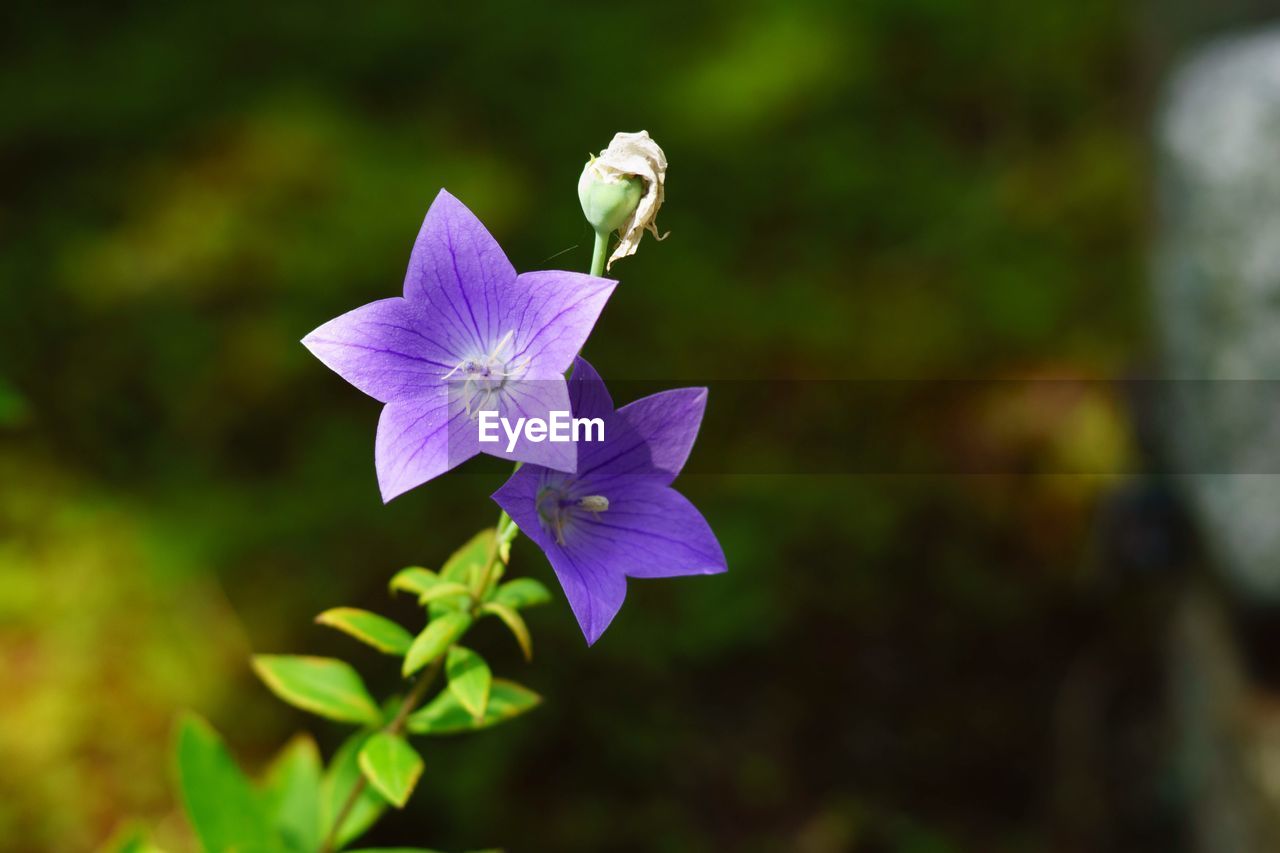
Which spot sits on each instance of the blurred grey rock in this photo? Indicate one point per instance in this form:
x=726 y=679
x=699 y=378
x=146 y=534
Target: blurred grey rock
x=1217 y=289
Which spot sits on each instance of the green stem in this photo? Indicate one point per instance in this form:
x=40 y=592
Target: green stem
x=395 y=727
x=599 y=253
x=491 y=560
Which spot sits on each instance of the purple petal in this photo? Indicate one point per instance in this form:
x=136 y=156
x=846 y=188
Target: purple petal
x=667 y=424
x=594 y=590
x=381 y=349
x=518 y=497
x=552 y=312
x=588 y=393
x=649 y=531
x=652 y=436
x=413 y=443
x=528 y=398
x=459 y=274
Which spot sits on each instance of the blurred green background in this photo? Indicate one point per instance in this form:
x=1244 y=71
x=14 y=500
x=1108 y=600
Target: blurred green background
x=890 y=189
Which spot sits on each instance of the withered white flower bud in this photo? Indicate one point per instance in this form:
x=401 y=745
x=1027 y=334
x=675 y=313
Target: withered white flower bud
x=607 y=190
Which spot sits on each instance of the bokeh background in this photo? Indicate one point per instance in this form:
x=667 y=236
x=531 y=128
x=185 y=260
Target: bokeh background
x=888 y=189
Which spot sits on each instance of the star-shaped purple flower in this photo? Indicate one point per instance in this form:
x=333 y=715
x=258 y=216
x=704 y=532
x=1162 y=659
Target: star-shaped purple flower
x=469 y=334
x=618 y=516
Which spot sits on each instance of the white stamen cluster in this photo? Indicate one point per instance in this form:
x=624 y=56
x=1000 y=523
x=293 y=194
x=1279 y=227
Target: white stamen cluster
x=485 y=375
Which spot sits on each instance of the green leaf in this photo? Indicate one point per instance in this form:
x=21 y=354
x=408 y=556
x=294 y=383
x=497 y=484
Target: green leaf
x=415 y=580
x=522 y=592
x=469 y=679
x=339 y=781
x=442 y=596
x=439 y=634
x=397 y=850
x=451 y=604
x=514 y=622
x=323 y=686
x=391 y=766
x=224 y=809
x=469 y=560
x=369 y=628
x=463 y=567
x=445 y=715
x=291 y=791
x=445 y=589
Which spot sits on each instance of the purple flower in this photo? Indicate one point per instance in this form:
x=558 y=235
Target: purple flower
x=618 y=516
x=468 y=334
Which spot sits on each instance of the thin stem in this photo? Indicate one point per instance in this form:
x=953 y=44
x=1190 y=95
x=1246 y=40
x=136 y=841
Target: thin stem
x=395 y=727
x=491 y=560
x=599 y=252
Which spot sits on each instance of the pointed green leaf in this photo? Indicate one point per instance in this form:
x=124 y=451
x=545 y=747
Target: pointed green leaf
x=291 y=791
x=469 y=679
x=469 y=560
x=461 y=568
x=339 y=781
x=442 y=594
x=445 y=589
x=449 y=604
x=323 y=686
x=391 y=766
x=369 y=628
x=514 y=622
x=522 y=592
x=439 y=634
x=445 y=715
x=224 y=809
x=414 y=580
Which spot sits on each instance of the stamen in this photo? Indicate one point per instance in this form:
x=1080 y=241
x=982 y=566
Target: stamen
x=502 y=344
x=594 y=503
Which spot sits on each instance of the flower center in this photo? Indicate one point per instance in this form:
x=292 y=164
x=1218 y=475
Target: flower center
x=484 y=375
x=556 y=508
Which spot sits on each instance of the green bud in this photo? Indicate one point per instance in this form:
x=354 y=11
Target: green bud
x=608 y=200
